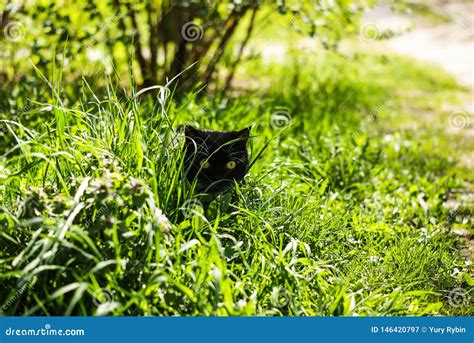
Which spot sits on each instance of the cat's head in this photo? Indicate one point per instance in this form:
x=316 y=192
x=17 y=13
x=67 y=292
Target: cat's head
x=215 y=158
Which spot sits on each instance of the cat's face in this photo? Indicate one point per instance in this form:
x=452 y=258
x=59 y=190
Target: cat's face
x=215 y=158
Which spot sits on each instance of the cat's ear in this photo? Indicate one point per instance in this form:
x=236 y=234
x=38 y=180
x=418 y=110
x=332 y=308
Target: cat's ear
x=191 y=132
x=243 y=134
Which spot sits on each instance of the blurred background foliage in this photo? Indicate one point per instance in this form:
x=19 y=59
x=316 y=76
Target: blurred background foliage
x=160 y=39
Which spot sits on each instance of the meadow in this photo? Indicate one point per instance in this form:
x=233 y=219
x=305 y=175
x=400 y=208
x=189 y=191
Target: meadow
x=344 y=212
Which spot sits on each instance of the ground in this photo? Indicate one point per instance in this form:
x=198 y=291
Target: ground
x=443 y=35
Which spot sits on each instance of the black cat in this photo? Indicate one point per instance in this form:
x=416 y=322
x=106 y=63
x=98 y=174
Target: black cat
x=215 y=159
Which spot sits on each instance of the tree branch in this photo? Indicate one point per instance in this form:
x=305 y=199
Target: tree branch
x=231 y=24
x=248 y=34
x=153 y=40
x=138 y=45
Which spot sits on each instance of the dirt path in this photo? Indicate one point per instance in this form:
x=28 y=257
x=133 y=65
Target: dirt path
x=450 y=44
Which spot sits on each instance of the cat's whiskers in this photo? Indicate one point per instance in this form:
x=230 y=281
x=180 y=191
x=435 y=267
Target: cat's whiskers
x=235 y=153
x=236 y=156
x=217 y=148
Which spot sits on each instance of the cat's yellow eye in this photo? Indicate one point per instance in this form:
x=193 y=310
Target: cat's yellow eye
x=231 y=165
x=204 y=164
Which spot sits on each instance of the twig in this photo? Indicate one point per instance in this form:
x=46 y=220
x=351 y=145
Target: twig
x=231 y=24
x=233 y=68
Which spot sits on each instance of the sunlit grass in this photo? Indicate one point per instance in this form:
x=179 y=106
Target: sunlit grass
x=340 y=215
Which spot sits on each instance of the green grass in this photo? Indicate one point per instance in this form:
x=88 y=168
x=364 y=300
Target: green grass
x=428 y=12
x=342 y=213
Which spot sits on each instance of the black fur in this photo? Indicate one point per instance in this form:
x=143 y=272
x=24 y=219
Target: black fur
x=208 y=154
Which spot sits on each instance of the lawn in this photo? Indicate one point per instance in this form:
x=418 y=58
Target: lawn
x=343 y=211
